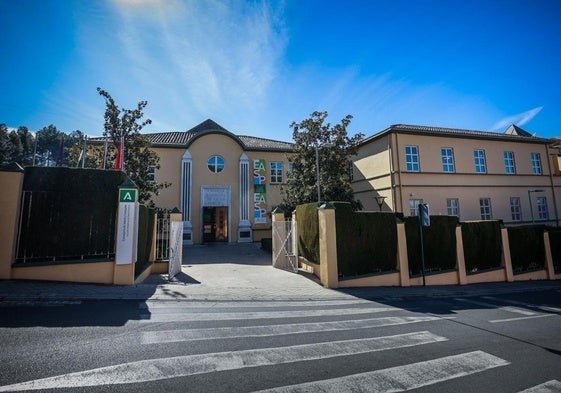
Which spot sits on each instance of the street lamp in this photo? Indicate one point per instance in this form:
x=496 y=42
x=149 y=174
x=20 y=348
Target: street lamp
x=530 y=200
x=380 y=201
x=318 y=146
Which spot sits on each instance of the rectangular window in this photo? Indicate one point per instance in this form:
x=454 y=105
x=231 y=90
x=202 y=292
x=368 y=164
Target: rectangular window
x=414 y=206
x=447 y=159
x=542 y=208
x=479 y=160
x=151 y=174
x=536 y=163
x=412 y=158
x=276 y=173
x=453 y=207
x=509 y=163
x=485 y=208
x=515 y=209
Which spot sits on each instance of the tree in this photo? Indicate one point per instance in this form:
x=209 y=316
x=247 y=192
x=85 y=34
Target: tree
x=5 y=145
x=139 y=161
x=48 y=145
x=335 y=149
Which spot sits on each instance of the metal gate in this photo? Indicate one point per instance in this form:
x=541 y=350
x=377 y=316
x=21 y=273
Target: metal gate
x=285 y=245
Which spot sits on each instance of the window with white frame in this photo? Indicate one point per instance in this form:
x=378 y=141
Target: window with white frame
x=536 y=162
x=447 y=154
x=276 y=172
x=509 y=163
x=515 y=209
x=453 y=207
x=414 y=206
x=151 y=174
x=412 y=158
x=479 y=161
x=542 y=208
x=485 y=208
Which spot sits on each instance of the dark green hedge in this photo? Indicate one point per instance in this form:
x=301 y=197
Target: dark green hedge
x=68 y=214
x=482 y=245
x=366 y=241
x=308 y=231
x=527 y=251
x=555 y=245
x=439 y=244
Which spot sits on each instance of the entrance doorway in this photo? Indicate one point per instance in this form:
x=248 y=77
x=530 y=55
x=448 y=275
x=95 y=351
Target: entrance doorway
x=215 y=224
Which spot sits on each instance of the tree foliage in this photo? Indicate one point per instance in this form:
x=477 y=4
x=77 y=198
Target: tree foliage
x=138 y=160
x=334 y=162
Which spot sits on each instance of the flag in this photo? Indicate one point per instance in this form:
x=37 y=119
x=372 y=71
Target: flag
x=119 y=158
x=60 y=156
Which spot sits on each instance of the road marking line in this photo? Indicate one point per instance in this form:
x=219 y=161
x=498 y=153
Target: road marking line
x=495 y=306
x=180 y=366
x=169 y=336
x=543 y=308
x=178 y=317
x=553 y=386
x=150 y=305
x=402 y=378
x=522 y=318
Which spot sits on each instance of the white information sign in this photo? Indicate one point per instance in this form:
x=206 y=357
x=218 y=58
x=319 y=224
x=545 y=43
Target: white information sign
x=126 y=227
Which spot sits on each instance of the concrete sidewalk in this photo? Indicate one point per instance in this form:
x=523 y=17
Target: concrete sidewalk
x=241 y=272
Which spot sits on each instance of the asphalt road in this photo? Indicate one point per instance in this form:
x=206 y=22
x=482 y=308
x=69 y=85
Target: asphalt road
x=500 y=343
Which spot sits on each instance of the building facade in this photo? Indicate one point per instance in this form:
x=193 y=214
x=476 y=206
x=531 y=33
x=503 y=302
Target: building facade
x=224 y=184
x=475 y=175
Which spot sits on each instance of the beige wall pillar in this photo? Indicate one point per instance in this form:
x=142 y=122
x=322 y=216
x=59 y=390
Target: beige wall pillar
x=403 y=261
x=548 y=257
x=506 y=262
x=460 y=258
x=11 y=179
x=328 y=246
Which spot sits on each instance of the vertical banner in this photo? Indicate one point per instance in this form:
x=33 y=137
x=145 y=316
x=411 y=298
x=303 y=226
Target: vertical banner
x=126 y=227
x=259 y=192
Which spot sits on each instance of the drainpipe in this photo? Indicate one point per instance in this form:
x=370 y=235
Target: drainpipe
x=552 y=185
x=398 y=171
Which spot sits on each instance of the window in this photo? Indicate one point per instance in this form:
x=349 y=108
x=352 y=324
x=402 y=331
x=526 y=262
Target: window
x=485 y=208
x=509 y=163
x=536 y=163
x=447 y=159
x=276 y=172
x=453 y=207
x=215 y=164
x=479 y=160
x=414 y=206
x=542 y=208
x=412 y=158
x=515 y=209
x=151 y=174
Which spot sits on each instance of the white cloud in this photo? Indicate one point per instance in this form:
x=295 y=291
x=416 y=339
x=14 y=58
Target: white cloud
x=519 y=119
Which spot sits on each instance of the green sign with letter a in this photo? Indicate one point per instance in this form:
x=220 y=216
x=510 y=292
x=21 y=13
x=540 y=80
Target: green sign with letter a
x=127 y=195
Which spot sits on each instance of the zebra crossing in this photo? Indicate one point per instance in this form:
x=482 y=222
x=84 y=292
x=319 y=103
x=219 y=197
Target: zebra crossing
x=192 y=322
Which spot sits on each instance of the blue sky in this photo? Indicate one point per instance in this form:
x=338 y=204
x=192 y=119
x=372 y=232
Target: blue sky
x=254 y=67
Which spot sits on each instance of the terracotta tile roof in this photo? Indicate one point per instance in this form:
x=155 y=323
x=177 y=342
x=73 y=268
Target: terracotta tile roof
x=183 y=138
x=511 y=134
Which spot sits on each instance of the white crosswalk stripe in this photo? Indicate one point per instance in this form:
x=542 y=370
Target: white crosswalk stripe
x=159 y=337
x=524 y=304
x=155 y=305
x=183 y=316
x=402 y=378
x=180 y=366
x=553 y=386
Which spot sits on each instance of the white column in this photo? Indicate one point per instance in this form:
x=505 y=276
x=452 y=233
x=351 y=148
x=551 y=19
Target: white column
x=186 y=192
x=244 y=227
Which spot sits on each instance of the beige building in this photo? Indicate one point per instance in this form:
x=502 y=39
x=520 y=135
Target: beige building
x=224 y=184
x=512 y=176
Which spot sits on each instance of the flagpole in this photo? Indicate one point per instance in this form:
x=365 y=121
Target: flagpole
x=105 y=153
x=122 y=153
x=84 y=150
